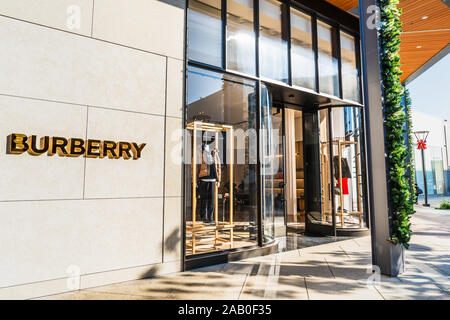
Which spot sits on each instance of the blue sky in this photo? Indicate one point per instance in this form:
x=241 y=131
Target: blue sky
x=430 y=92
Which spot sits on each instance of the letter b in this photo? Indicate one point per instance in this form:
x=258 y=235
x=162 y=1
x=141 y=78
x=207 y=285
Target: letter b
x=16 y=143
x=76 y=147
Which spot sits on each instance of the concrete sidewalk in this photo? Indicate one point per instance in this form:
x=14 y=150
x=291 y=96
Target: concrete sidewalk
x=337 y=270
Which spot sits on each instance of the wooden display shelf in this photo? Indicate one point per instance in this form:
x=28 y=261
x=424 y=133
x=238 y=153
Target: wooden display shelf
x=195 y=227
x=326 y=196
x=199 y=226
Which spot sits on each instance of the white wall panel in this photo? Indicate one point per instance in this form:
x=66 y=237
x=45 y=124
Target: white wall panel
x=39 y=240
x=58 y=14
x=54 y=65
x=118 y=178
x=149 y=25
x=26 y=177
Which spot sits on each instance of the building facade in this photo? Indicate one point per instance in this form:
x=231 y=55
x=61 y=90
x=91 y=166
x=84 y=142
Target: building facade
x=146 y=137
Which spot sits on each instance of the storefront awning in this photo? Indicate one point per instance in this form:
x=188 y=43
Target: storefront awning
x=303 y=98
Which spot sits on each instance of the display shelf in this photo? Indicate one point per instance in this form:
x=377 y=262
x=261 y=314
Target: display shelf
x=194 y=227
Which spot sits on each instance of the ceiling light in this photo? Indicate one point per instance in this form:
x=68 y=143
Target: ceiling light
x=418 y=47
x=424 y=17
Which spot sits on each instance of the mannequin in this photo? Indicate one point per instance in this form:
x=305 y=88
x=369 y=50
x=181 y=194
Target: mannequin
x=209 y=174
x=342 y=184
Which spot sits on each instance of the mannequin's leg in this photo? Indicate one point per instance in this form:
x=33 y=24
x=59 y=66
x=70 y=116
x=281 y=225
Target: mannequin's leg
x=213 y=201
x=203 y=192
x=210 y=200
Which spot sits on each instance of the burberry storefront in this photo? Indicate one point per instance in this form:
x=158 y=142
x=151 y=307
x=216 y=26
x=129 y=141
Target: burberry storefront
x=274 y=139
x=147 y=137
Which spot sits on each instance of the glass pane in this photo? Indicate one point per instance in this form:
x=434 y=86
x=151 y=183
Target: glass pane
x=328 y=59
x=294 y=171
x=302 y=52
x=278 y=159
x=325 y=169
x=433 y=169
x=205 y=31
x=347 y=167
x=240 y=36
x=267 y=173
x=273 y=41
x=220 y=144
x=272 y=167
x=350 y=72
x=437 y=168
x=315 y=126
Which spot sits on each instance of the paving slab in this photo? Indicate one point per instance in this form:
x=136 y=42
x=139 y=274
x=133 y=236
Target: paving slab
x=331 y=270
x=339 y=289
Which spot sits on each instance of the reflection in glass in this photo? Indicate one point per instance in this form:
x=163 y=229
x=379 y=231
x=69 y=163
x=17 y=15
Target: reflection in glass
x=328 y=59
x=272 y=166
x=220 y=199
x=434 y=166
x=268 y=165
x=278 y=159
x=240 y=36
x=205 y=31
x=273 y=53
x=347 y=167
x=325 y=169
x=437 y=166
x=302 y=52
x=312 y=168
x=350 y=71
x=295 y=171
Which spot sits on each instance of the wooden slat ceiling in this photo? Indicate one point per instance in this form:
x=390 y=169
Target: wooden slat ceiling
x=422 y=37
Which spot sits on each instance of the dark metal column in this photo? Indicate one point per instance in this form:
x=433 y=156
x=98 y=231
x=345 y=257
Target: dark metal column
x=387 y=257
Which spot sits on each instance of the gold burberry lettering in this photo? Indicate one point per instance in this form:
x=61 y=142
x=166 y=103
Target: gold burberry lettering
x=18 y=143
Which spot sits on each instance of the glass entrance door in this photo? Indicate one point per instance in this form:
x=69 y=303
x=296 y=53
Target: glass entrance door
x=283 y=169
x=294 y=171
x=279 y=174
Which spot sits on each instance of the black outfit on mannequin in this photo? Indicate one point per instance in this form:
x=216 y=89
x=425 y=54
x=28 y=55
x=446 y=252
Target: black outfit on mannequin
x=208 y=176
x=207 y=200
x=346 y=173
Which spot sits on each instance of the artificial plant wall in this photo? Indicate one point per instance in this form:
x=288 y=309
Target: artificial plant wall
x=410 y=144
x=395 y=118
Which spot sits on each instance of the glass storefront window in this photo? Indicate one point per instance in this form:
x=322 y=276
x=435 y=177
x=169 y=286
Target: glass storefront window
x=350 y=70
x=434 y=166
x=272 y=165
x=341 y=169
x=221 y=163
x=273 y=44
x=240 y=36
x=294 y=171
x=205 y=31
x=302 y=52
x=347 y=167
x=311 y=162
x=328 y=59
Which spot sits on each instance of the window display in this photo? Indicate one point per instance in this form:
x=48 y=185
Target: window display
x=341 y=170
x=221 y=162
x=270 y=150
x=347 y=174
x=347 y=186
x=206 y=180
